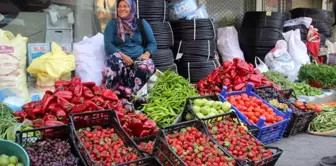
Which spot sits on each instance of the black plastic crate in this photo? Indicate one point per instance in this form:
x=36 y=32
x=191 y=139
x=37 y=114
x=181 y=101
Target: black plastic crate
x=163 y=151
x=269 y=161
x=28 y=137
x=188 y=108
x=145 y=139
x=106 y=118
x=149 y=161
x=299 y=120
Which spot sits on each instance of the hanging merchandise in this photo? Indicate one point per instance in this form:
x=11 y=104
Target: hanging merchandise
x=152 y=10
x=13 y=51
x=313 y=43
x=197 y=29
x=260 y=65
x=195 y=71
x=90 y=56
x=278 y=59
x=51 y=67
x=181 y=9
x=195 y=50
x=296 y=48
x=163 y=34
x=228 y=44
x=259 y=33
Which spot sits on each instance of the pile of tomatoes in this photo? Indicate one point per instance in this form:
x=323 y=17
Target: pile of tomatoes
x=234 y=138
x=195 y=148
x=105 y=147
x=253 y=108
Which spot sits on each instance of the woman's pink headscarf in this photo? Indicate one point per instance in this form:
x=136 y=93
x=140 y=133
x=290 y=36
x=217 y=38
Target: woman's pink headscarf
x=128 y=24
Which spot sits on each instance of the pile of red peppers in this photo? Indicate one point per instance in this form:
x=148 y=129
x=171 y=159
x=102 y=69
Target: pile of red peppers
x=138 y=125
x=235 y=75
x=69 y=97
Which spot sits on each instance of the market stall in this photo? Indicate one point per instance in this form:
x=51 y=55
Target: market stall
x=216 y=109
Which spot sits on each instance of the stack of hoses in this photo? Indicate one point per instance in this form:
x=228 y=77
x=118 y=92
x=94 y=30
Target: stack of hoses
x=321 y=20
x=155 y=12
x=152 y=10
x=195 y=48
x=259 y=33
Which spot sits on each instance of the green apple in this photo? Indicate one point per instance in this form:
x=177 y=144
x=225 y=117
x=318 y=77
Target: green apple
x=226 y=106
x=213 y=110
x=205 y=110
x=210 y=103
x=198 y=102
x=189 y=117
x=211 y=114
x=218 y=104
x=197 y=108
x=220 y=111
x=200 y=115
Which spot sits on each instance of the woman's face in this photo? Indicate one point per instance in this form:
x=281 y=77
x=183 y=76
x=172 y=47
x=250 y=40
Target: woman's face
x=123 y=9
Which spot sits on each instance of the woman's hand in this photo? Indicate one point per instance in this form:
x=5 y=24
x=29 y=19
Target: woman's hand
x=127 y=59
x=144 y=56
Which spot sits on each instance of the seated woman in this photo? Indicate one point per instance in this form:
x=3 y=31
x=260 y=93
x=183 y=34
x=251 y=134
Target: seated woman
x=128 y=52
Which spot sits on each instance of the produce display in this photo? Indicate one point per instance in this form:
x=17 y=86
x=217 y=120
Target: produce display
x=320 y=76
x=300 y=89
x=7 y=123
x=234 y=75
x=274 y=98
x=167 y=98
x=130 y=102
x=69 y=97
x=105 y=146
x=206 y=108
x=237 y=141
x=308 y=107
x=51 y=152
x=6 y=160
x=146 y=146
x=195 y=148
x=253 y=108
x=324 y=122
x=138 y=125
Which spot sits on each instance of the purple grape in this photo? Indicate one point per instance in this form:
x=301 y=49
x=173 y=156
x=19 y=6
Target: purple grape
x=121 y=88
x=128 y=91
x=129 y=107
x=117 y=92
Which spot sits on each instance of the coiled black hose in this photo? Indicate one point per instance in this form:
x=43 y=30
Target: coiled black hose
x=195 y=71
x=197 y=47
x=197 y=29
x=263 y=20
x=163 y=34
x=163 y=57
x=152 y=10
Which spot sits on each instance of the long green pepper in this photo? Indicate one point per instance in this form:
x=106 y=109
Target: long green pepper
x=168 y=97
x=324 y=122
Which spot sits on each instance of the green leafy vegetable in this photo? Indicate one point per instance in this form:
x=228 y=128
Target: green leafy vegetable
x=324 y=75
x=168 y=97
x=7 y=122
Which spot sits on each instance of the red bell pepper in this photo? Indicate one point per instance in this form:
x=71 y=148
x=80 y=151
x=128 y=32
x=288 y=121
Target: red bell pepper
x=98 y=100
x=37 y=110
x=75 y=81
x=149 y=125
x=227 y=66
x=233 y=73
x=64 y=104
x=49 y=92
x=61 y=115
x=51 y=123
x=87 y=93
x=38 y=123
x=78 y=100
x=96 y=90
x=68 y=95
x=136 y=126
x=256 y=78
x=30 y=105
x=144 y=133
x=108 y=94
x=79 y=108
x=89 y=84
x=78 y=90
x=61 y=83
x=128 y=131
x=90 y=104
x=46 y=101
x=237 y=80
x=49 y=117
x=239 y=86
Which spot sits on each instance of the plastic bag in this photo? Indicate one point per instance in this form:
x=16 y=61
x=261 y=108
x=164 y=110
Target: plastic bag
x=228 y=45
x=199 y=13
x=331 y=55
x=299 y=21
x=296 y=48
x=260 y=65
x=90 y=56
x=181 y=9
x=13 y=51
x=278 y=59
x=313 y=41
x=52 y=66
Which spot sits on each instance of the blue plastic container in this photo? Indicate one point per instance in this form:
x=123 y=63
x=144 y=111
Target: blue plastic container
x=266 y=134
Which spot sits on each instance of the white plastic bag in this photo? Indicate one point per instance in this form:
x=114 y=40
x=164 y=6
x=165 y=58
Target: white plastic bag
x=299 y=21
x=90 y=56
x=278 y=59
x=260 y=65
x=228 y=45
x=13 y=51
x=296 y=48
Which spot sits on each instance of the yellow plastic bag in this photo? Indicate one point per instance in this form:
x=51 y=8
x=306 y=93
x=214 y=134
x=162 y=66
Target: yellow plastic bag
x=13 y=51
x=52 y=66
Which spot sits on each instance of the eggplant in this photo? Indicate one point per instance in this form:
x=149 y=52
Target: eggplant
x=129 y=107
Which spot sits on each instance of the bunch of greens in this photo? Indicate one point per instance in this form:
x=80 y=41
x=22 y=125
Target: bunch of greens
x=8 y=123
x=321 y=74
x=168 y=97
x=300 y=89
